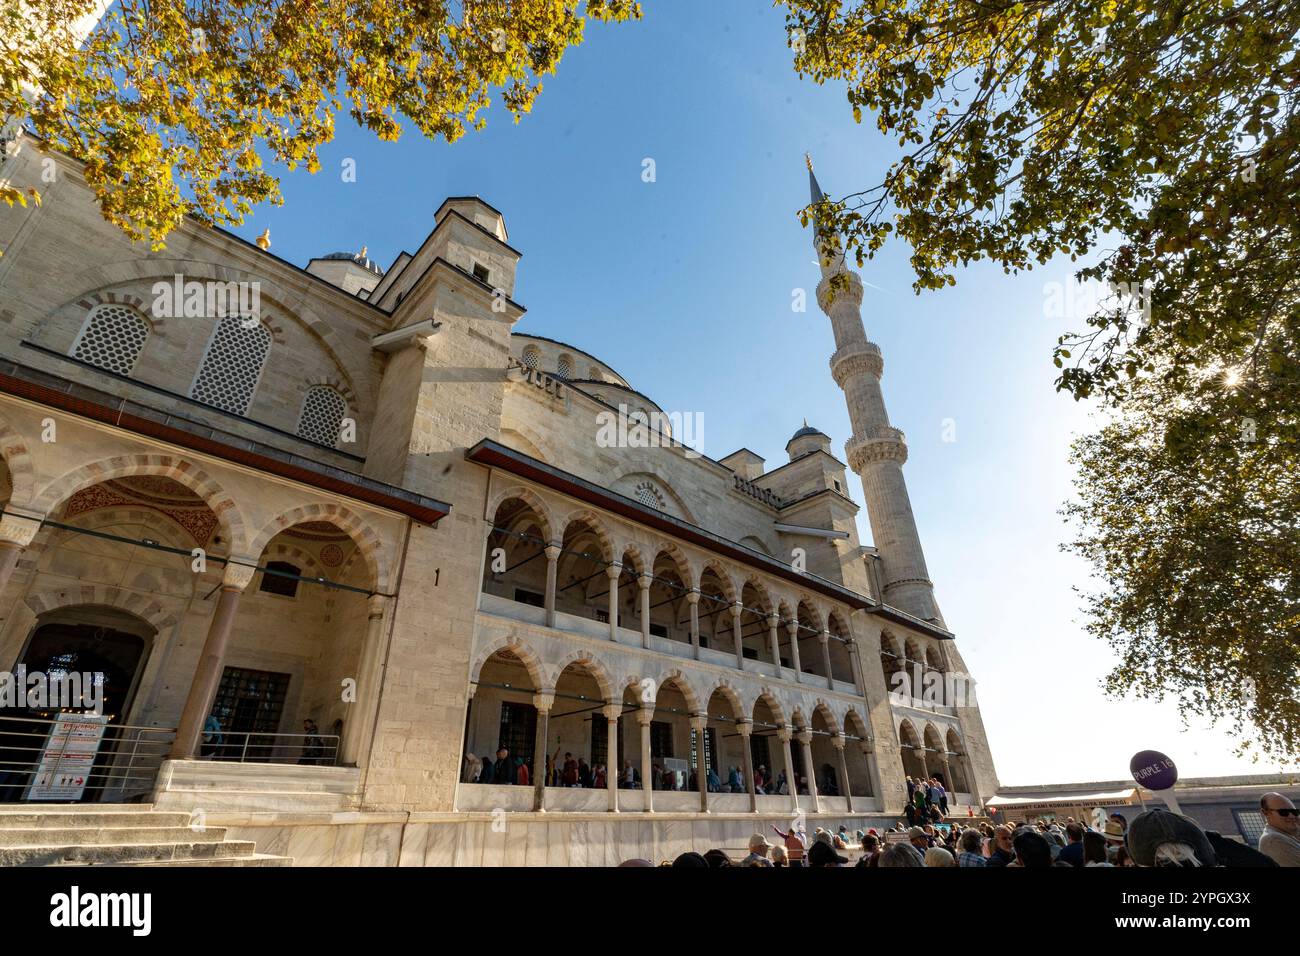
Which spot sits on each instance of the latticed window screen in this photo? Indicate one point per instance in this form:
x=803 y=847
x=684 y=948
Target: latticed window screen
x=564 y=367
x=531 y=356
x=646 y=495
x=232 y=365
x=322 y=415
x=112 y=338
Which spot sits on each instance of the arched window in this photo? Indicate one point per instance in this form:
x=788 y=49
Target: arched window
x=232 y=365
x=532 y=356
x=563 y=367
x=322 y=415
x=649 y=495
x=112 y=338
x=285 y=583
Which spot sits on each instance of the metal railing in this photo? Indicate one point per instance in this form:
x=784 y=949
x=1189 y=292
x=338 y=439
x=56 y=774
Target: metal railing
x=256 y=747
x=122 y=768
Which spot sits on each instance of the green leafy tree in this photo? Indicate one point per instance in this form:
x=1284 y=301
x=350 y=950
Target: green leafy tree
x=172 y=105
x=1155 y=144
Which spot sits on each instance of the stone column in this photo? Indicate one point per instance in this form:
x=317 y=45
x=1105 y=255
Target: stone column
x=361 y=719
x=16 y=533
x=644 y=717
x=693 y=598
x=735 y=629
x=612 y=712
x=552 y=564
x=644 y=581
x=805 y=741
x=873 y=772
x=792 y=628
x=774 y=640
x=855 y=664
x=838 y=743
x=825 y=638
x=745 y=728
x=612 y=572
x=543 y=702
x=783 y=734
x=700 y=723
x=207 y=676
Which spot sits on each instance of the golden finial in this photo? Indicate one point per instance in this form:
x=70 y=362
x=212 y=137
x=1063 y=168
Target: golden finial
x=264 y=240
x=807 y=158
x=363 y=251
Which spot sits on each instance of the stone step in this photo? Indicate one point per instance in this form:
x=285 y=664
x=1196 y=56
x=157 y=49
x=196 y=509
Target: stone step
x=226 y=801
x=257 y=859
x=86 y=817
x=91 y=835
x=118 y=854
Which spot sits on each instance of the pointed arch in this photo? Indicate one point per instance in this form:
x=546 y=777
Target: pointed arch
x=133 y=602
x=533 y=500
x=512 y=646
x=367 y=540
x=588 y=663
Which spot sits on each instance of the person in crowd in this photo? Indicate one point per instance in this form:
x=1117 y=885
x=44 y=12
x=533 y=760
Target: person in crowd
x=522 y=776
x=735 y=781
x=912 y=814
x=1122 y=858
x=842 y=838
x=598 y=778
x=473 y=767
x=759 y=848
x=214 y=741
x=794 y=844
x=782 y=784
x=779 y=857
x=1160 y=837
x=1281 y=839
x=504 y=772
x=569 y=771
x=1094 y=849
x=870 y=850
x=1114 y=834
x=313 y=751
x=670 y=780
x=1073 y=851
x=717 y=859
x=691 y=860
x=715 y=784
x=628 y=777
x=917 y=837
x=487 y=773
x=584 y=773
x=1031 y=848
x=829 y=787
x=761 y=780
x=971 y=844
x=943 y=795
x=932 y=793
x=656 y=776
x=1003 y=853
x=939 y=856
x=900 y=854
x=911 y=789
x=823 y=854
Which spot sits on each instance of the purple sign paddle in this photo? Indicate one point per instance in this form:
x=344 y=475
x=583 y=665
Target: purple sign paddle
x=1153 y=770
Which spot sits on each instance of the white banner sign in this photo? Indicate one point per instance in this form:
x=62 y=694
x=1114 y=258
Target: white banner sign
x=68 y=757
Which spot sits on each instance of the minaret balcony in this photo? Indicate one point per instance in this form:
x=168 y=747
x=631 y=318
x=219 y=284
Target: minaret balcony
x=882 y=443
x=857 y=358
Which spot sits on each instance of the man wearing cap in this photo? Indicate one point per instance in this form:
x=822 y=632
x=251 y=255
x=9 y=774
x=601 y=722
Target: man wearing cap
x=1281 y=839
x=758 y=849
x=916 y=836
x=823 y=854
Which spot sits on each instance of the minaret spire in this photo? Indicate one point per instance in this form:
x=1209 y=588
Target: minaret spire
x=877 y=450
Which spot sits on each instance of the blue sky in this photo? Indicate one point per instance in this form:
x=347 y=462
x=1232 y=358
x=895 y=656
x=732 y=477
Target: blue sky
x=684 y=286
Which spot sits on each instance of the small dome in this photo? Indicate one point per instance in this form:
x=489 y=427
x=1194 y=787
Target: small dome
x=806 y=431
x=368 y=264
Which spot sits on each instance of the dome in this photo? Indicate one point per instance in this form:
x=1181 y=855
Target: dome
x=806 y=431
x=359 y=258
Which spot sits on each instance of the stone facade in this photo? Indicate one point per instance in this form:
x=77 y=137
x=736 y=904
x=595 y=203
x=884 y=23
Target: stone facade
x=361 y=489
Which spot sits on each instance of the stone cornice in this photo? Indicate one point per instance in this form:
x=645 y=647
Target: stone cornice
x=857 y=358
x=880 y=443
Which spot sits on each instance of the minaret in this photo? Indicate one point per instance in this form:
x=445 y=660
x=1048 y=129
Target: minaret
x=877 y=450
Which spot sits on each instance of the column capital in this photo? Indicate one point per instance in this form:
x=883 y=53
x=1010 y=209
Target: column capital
x=612 y=710
x=737 y=609
x=645 y=715
x=238 y=574
x=837 y=742
x=793 y=627
x=745 y=728
x=804 y=737
x=699 y=722
x=19 y=528
x=375 y=605
x=614 y=570
x=543 y=700
x=784 y=734
x=773 y=619
x=553 y=551
x=824 y=636
x=644 y=580
x=693 y=596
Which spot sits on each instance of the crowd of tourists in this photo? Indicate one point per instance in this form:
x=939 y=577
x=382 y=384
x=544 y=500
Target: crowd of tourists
x=1156 y=837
